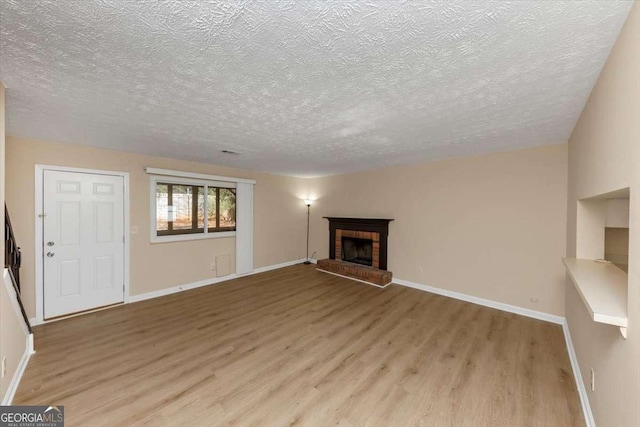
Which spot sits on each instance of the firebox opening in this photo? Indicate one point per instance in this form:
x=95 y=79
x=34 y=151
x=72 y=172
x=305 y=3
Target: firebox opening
x=359 y=251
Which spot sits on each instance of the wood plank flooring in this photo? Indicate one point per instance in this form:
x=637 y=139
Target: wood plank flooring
x=299 y=347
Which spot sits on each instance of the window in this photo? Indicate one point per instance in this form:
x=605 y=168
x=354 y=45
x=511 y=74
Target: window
x=199 y=209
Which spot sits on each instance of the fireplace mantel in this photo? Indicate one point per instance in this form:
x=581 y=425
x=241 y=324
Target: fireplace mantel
x=373 y=225
x=373 y=222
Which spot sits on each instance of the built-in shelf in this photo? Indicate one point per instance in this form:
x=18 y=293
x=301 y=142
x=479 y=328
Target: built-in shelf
x=603 y=289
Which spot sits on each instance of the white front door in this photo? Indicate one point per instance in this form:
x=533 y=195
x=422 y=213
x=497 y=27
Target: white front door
x=83 y=241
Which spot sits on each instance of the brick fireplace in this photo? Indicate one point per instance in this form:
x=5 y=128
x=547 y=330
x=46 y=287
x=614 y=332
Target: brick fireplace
x=358 y=249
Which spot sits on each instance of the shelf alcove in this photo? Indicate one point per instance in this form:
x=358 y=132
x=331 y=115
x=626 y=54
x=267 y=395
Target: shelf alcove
x=600 y=276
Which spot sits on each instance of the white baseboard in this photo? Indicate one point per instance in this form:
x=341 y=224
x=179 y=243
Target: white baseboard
x=17 y=375
x=577 y=375
x=281 y=265
x=206 y=282
x=31 y=346
x=485 y=302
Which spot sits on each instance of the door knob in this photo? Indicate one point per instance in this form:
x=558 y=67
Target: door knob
x=50 y=254
x=50 y=243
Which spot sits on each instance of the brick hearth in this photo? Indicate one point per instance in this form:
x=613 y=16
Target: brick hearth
x=356 y=271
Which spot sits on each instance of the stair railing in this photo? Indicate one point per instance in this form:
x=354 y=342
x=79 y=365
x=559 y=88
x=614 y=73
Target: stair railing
x=13 y=261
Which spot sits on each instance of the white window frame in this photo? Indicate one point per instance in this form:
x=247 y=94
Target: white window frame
x=166 y=179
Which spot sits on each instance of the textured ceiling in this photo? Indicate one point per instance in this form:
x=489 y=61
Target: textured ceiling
x=303 y=87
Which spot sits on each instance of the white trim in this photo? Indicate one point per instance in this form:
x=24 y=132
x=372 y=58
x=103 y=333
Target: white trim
x=155 y=239
x=31 y=345
x=274 y=267
x=127 y=237
x=485 y=302
x=39 y=261
x=180 y=288
x=39 y=193
x=354 y=279
x=169 y=172
x=244 y=228
x=13 y=299
x=577 y=375
x=206 y=282
x=191 y=181
x=17 y=375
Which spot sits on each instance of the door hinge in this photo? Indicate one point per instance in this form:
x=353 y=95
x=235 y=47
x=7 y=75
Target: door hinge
x=42 y=215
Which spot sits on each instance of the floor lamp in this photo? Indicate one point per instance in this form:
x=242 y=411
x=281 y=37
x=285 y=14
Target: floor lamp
x=308 y=203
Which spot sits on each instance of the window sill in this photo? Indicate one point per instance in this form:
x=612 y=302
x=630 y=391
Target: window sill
x=603 y=289
x=186 y=237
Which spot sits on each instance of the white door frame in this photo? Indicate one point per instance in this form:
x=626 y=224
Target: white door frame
x=39 y=260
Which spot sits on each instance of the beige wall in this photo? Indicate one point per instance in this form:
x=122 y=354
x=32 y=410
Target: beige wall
x=616 y=246
x=490 y=226
x=604 y=156
x=279 y=215
x=12 y=339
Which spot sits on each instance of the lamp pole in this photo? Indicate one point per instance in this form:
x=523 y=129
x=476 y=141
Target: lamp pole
x=308 y=202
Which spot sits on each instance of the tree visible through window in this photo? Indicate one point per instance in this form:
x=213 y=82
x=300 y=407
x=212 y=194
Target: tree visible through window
x=190 y=209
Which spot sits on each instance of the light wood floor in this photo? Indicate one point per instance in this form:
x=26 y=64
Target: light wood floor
x=296 y=346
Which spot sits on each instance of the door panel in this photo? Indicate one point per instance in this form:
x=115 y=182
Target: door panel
x=103 y=272
x=69 y=217
x=104 y=220
x=83 y=241
x=69 y=277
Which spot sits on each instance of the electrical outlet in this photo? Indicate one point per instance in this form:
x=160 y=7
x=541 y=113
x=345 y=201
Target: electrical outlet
x=533 y=299
x=213 y=266
x=593 y=380
x=4 y=366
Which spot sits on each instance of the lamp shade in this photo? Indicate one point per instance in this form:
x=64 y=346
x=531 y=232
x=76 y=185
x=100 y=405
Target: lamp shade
x=308 y=202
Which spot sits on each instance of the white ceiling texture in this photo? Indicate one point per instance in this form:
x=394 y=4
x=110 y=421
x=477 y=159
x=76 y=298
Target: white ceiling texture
x=304 y=88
